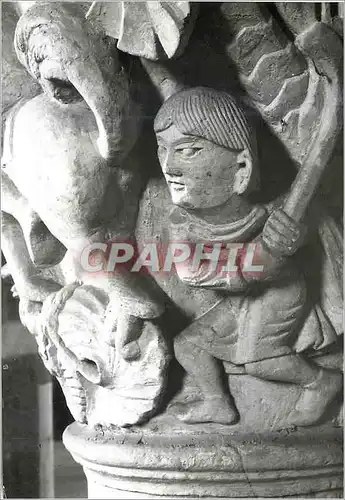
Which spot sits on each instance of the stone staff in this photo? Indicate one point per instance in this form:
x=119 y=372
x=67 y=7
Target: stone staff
x=321 y=147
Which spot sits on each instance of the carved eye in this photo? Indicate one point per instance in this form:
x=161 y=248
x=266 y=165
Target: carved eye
x=161 y=150
x=64 y=91
x=189 y=152
x=38 y=58
x=38 y=54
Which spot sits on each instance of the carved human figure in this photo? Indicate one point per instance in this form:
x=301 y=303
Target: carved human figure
x=208 y=155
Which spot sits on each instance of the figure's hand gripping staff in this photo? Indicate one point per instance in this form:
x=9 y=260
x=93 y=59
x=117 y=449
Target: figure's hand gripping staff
x=327 y=61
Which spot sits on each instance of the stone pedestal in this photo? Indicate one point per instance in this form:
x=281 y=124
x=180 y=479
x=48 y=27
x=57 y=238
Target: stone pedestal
x=181 y=462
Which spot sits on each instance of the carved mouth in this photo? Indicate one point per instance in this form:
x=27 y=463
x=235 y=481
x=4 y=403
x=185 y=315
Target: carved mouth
x=177 y=186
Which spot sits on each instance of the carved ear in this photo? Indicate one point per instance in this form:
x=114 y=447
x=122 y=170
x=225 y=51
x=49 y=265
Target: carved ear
x=153 y=30
x=244 y=173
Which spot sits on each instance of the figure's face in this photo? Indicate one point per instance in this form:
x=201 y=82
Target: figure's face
x=199 y=174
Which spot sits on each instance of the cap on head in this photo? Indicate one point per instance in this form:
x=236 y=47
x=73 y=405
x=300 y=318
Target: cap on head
x=210 y=114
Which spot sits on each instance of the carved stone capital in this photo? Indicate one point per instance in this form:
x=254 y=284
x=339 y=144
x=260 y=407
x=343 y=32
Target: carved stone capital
x=171 y=223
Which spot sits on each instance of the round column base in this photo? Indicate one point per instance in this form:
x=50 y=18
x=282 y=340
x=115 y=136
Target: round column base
x=189 y=462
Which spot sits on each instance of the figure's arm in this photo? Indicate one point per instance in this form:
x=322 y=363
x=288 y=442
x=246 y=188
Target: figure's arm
x=264 y=260
x=280 y=239
x=229 y=282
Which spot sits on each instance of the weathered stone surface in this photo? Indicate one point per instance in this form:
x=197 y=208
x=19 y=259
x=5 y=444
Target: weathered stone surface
x=178 y=462
x=187 y=380
x=93 y=373
x=299 y=16
x=18 y=85
x=148 y=29
x=277 y=62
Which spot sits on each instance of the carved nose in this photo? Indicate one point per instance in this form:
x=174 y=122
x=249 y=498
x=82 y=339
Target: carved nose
x=172 y=173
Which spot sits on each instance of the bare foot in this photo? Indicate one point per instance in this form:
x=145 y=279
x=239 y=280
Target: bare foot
x=315 y=398
x=217 y=410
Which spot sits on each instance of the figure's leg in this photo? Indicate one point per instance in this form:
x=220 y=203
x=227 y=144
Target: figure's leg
x=275 y=318
x=291 y=368
x=319 y=386
x=205 y=369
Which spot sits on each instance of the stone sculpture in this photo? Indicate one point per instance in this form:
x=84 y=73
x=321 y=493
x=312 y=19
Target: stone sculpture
x=208 y=155
x=187 y=360
x=61 y=69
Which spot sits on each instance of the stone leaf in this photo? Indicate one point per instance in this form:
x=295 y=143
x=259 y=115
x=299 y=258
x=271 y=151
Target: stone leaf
x=298 y=16
x=153 y=30
x=288 y=82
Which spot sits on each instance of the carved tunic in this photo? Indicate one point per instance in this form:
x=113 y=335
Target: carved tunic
x=256 y=319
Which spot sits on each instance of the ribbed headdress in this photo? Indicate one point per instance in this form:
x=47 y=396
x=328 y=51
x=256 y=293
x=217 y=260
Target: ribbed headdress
x=209 y=114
